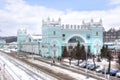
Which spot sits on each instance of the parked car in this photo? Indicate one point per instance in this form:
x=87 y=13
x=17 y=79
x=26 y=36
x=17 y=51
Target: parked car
x=99 y=69
x=84 y=64
x=113 y=72
x=118 y=74
x=93 y=67
x=90 y=65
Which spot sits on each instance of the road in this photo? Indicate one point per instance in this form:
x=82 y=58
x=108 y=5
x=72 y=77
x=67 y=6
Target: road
x=18 y=71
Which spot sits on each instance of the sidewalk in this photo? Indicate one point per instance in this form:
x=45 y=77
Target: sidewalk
x=56 y=69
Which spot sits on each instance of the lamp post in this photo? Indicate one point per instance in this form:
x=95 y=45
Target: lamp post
x=3 y=71
x=86 y=64
x=32 y=51
x=70 y=55
x=54 y=52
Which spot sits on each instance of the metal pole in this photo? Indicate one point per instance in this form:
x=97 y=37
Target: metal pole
x=3 y=71
x=86 y=67
x=105 y=71
x=32 y=52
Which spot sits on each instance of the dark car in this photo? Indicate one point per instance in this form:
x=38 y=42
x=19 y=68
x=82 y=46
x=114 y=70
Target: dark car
x=113 y=72
x=84 y=64
x=93 y=67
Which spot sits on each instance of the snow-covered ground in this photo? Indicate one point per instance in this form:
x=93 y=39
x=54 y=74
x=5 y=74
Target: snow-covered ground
x=76 y=76
x=15 y=69
x=18 y=72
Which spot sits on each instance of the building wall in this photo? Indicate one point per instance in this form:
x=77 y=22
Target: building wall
x=56 y=36
x=21 y=37
x=54 y=33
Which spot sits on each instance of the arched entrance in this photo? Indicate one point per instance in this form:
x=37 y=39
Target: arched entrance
x=55 y=48
x=73 y=41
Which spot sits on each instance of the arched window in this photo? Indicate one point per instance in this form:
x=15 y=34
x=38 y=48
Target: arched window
x=96 y=33
x=54 y=33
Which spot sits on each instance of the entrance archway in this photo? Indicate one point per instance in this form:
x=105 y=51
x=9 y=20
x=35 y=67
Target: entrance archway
x=73 y=41
x=76 y=39
x=77 y=36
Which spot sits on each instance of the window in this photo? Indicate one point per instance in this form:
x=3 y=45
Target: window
x=74 y=26
x=96 y=33
x=71 y=26
x=54 y=33
x=63 y=36
x=88 y=49
x=78 y=27
x=29 y=39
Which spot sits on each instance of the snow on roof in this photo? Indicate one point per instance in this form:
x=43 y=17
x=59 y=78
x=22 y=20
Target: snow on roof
x=36 y=36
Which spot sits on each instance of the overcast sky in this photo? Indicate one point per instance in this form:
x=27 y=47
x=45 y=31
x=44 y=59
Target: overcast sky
x=16 y=14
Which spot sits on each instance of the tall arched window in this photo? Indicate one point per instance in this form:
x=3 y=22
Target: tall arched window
x=54 y=33
x=96 y=33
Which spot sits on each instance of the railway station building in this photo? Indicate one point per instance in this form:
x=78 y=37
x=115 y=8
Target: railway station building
x=55 y=36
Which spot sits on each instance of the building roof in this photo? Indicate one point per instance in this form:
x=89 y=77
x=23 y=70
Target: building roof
x=36 y=36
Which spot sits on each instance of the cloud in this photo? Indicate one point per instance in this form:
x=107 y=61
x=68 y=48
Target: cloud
x=18 y=14
x=114 y=2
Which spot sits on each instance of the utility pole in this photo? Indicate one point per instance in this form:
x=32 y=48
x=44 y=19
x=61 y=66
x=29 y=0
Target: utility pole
x=3 y=71
x=86 y=67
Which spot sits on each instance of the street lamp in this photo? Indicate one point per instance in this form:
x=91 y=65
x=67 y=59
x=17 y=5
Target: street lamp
x=70 y=50
x=86 y=65
x=54 y=52
x=32 y=52
x=3 y=71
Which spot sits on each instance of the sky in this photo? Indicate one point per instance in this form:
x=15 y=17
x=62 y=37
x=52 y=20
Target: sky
x=28 y=14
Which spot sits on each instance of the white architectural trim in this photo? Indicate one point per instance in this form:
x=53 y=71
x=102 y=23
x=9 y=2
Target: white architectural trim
x=55 y=41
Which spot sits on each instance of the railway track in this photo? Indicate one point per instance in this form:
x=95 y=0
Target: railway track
x=58 y=76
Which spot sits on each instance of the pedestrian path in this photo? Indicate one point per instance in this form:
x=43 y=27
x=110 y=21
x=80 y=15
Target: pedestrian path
x=75 y=75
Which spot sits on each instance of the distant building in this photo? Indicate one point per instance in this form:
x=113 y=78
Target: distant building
x=111 y=35
x=55 y=36
x=112 y=39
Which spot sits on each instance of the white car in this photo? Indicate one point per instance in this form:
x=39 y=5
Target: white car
x=99 y=69
x=118 y=74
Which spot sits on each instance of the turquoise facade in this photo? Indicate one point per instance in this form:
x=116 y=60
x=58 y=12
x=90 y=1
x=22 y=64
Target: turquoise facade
x=55 y=36
x=21 y=37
